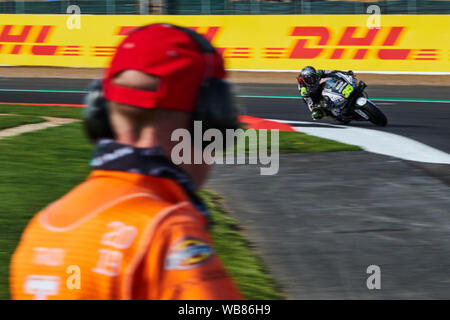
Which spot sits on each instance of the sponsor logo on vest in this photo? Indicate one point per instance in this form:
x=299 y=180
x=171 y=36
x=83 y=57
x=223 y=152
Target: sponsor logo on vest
x=42 y=286
x=188 y=253
x=52 y=257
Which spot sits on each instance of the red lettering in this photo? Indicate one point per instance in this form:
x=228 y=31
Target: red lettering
x=337 y=54
x=239 y=53
x=6 y=35
x=43 y=50
x=426 y=54
x=221 y=51
x=300 y=50
x=100 y=51
x=16 y=49
x=391 y=39
x=123 y=31
x=347 y=38
x=70 y=51
x=43 y=34
x=274 y=53
x=211 y=33
x=360 y=54
x=393 y=36
x=393 y=54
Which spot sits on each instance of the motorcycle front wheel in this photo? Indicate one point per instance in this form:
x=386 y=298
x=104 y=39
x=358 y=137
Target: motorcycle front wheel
x=376 y=116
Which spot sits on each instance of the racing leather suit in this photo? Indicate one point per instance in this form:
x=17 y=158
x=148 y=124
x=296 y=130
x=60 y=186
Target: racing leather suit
x=312 y=95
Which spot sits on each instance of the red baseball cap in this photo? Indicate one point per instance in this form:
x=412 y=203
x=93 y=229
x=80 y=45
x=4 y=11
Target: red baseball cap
x=168 y=52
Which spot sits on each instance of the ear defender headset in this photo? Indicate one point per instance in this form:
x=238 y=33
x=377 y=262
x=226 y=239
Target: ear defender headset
x=214 y=106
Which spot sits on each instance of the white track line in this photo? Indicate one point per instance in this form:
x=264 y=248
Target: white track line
x=376 y=141
x=15 y=131
x=244 y=96
x=52 y=122
x=355 y=71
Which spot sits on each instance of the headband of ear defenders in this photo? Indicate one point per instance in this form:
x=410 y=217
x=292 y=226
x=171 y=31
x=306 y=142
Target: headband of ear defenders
x=179 y=64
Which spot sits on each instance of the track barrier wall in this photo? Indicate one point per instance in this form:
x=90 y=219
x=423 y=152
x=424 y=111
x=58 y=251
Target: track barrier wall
x=405 y=43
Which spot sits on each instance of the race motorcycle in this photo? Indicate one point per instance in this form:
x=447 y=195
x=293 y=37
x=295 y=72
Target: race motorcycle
x=341 y=91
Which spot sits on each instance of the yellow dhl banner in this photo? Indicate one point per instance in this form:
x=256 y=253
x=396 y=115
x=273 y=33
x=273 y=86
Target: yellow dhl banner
x=418 y=43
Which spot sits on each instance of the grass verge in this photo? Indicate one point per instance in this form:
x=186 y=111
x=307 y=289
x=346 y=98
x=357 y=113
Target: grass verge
x=246 y=268
x=292 y=142
x=36 y=168
x=36 y=110
x=11 y=121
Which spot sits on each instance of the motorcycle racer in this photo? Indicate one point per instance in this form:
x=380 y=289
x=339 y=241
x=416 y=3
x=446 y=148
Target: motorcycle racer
x=309 y=81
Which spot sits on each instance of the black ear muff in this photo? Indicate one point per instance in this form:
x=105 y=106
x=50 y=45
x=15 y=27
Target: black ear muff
x=216 y=107
x=96 y=119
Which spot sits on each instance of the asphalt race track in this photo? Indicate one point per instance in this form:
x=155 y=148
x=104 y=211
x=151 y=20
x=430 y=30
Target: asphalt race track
x=325 y=217
x=424 y=121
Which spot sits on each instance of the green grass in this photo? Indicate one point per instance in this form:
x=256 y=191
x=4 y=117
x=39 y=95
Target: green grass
x=36 y=110
x=297 y=142
x=245 y=267
x=10 y=121
x=36 y=168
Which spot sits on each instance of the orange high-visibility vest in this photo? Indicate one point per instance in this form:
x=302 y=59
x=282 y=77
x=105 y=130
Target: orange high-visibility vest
x=119 y=235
